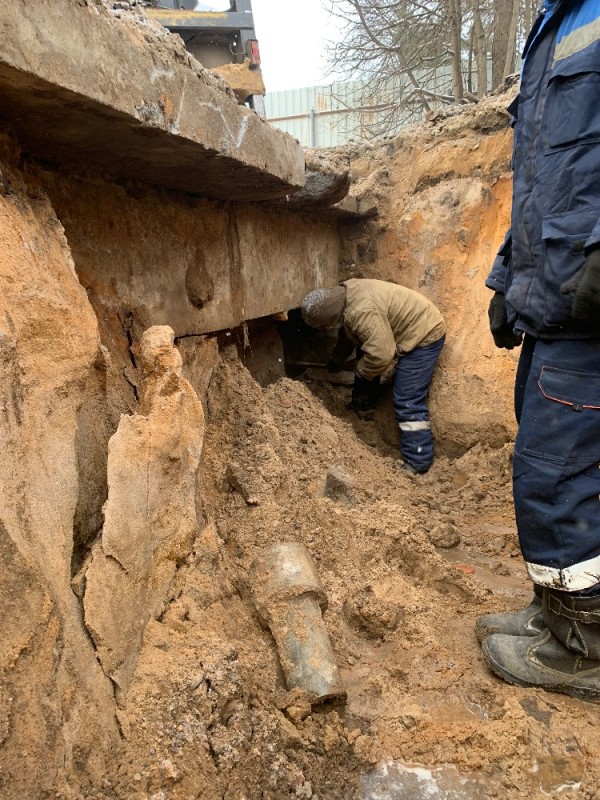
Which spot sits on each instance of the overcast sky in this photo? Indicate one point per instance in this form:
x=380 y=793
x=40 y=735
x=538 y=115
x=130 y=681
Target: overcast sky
x=292 y=35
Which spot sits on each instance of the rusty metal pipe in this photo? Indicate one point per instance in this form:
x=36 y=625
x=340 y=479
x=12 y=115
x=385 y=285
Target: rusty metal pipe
x=290 y=600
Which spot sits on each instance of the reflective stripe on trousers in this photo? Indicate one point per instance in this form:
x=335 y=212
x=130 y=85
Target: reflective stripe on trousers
x=415 y=426
x=556 y=468
x=409 y=396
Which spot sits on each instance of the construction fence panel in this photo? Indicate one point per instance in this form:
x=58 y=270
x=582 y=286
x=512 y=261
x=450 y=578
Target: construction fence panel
x=333 y=115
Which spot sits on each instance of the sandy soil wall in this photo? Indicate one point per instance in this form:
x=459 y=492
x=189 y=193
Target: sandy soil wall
x=57 y=704
x=101 y=501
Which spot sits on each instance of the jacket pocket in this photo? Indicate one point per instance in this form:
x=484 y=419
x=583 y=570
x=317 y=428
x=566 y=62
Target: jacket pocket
x=572 y=110
x=564 y=419
x=564 y=237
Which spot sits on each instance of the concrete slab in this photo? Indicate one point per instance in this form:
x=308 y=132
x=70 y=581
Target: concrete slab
x=85 y=86
x=197 y=265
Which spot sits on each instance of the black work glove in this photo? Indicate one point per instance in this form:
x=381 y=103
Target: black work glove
x=585 y=287
x=501 y=330
x=365 y=394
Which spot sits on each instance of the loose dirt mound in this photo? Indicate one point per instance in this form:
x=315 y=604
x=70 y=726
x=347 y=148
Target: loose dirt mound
x=407 y=564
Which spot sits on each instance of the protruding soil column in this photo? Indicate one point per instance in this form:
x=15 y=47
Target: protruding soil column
x=290 y=599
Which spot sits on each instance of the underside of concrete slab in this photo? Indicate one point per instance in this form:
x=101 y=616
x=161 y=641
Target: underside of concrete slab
x=84 y=86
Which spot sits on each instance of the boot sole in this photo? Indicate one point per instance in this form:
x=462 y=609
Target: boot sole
x=587 y=695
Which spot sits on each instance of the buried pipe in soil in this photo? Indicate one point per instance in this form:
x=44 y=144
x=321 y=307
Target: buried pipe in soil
x=290 y=599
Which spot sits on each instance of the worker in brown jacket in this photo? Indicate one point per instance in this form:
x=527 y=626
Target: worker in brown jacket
x=386 y=321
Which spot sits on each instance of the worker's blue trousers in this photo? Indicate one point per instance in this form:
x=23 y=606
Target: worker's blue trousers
x=556 y=473
x=409 y=396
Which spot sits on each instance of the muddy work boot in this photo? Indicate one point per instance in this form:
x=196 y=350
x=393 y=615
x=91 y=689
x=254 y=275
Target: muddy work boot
x=564 y=657
x=528 y=622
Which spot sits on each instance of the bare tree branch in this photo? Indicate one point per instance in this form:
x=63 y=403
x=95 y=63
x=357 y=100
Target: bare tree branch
x=408 y=55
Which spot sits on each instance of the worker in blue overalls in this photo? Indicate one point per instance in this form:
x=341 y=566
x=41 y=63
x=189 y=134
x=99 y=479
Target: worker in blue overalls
x=546 y=280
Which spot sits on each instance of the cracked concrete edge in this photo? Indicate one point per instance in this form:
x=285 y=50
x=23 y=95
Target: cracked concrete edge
x=83 y=84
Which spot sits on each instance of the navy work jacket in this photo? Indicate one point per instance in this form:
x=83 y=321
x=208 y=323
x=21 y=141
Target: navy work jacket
x=556 y=162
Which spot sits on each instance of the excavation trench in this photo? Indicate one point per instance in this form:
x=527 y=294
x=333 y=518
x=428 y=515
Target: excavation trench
x=164 y=423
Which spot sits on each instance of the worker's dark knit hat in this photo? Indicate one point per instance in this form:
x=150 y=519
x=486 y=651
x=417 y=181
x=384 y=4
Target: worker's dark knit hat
x=323 y=308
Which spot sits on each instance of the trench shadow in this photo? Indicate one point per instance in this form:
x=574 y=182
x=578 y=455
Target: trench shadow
x=306 y=353
x=377 y=429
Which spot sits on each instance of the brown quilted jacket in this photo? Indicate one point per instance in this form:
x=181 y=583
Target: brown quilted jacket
x=387 y=320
